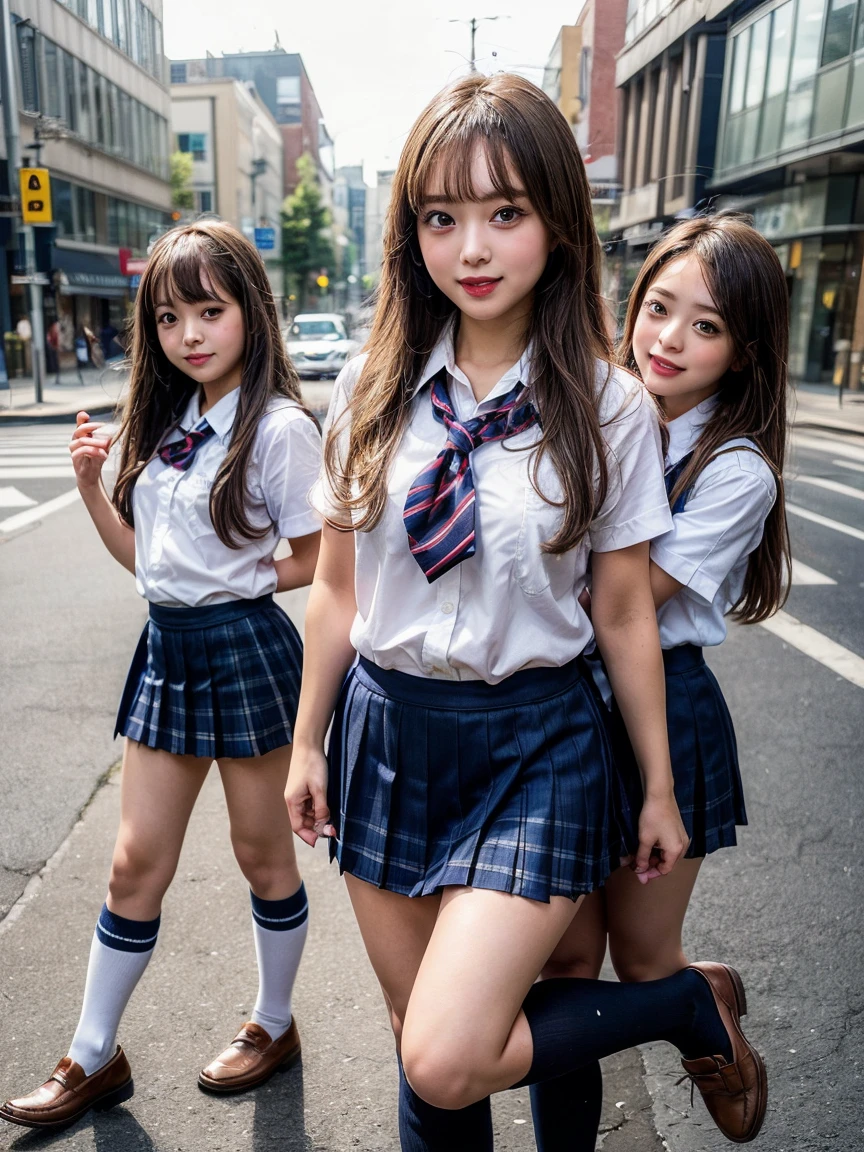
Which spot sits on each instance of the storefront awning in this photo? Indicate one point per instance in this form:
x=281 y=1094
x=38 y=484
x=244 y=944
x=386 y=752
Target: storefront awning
x=89 y=274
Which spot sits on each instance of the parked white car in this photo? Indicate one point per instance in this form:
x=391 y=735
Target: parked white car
x=319 y=345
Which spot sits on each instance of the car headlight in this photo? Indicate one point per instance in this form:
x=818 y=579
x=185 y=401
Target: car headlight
x=340 y=357
x=298 y=355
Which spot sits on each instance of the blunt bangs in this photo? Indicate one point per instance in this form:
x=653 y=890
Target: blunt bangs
x=186 y=268
x=444 y=168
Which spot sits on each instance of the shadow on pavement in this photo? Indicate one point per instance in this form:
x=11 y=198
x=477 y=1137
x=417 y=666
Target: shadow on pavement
x=111 y=1132
x=280 y=1115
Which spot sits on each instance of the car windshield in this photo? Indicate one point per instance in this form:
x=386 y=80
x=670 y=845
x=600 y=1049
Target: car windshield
x=315 y=330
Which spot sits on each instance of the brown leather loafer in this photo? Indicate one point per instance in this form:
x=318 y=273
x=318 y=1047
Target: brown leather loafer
x=250 y=1059
x=70 y=1094
x=735 y=1094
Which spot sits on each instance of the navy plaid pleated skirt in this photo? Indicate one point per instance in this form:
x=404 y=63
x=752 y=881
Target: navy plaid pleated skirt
x=505 y=786
x=704 y=754
x=218 y=681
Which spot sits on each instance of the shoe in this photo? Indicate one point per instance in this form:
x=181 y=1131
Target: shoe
x=250 y=1059
x=71 y=1093
x=735 y=1094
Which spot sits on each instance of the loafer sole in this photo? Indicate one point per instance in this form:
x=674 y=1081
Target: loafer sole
x=102 y=1103
x=229 y=1088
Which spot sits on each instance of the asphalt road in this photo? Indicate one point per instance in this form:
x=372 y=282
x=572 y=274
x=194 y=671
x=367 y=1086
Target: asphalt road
x=784 y=907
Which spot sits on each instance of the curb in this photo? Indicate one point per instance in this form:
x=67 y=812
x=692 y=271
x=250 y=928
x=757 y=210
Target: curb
x=64 y=416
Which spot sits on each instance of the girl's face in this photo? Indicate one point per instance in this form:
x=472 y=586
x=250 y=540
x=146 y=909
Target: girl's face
x=680 y=342
x=205 y=340
x=485 y=256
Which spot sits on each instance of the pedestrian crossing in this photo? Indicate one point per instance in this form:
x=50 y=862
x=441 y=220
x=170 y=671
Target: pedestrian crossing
x=35 y=465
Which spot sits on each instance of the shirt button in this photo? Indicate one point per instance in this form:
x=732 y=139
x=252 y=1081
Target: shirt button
x=446 y=607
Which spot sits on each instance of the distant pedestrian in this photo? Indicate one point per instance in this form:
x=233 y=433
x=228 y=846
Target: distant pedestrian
x=473 y=457
x=707 y=330
x=217 y=455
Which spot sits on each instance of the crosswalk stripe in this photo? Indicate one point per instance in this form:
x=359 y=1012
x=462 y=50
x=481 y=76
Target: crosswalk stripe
x=834 y=447
x=818 y=647
x=13 y=498
x=825 y=521
x=803 y=574
x=848 y=464
x=32 y=460
x=22 y=519
x=831 y=486
x=56 y=472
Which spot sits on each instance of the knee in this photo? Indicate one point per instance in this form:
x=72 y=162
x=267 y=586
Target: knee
x=633 y=968
x=267 y=871
x=575 y=967
x=439 y=1075
x=136 y=871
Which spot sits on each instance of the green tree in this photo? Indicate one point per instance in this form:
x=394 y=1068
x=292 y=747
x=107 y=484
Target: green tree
x=307 y=247
x=182 y=196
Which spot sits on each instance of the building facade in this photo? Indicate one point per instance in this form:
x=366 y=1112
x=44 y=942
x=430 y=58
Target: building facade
x=91 y=87
x=236 y=150
x=283 y=85
x=349 y=227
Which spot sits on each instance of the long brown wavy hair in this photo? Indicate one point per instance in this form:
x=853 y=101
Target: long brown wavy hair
x=748 y=286
x=527 y=141
x=193 y=264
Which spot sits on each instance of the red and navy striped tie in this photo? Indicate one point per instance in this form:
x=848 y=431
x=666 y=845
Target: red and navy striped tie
x=180 y=453
x=439 y=511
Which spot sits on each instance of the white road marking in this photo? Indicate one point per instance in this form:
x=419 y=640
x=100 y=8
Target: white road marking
x=831 y=486
x=834 y=447
x=54 y=472
x=35 y=460
x=39 y=450
x=804 y=574
x=806 y=514
x=12 y=498
x=39 y=512
x=818 y=647
x=848 y=464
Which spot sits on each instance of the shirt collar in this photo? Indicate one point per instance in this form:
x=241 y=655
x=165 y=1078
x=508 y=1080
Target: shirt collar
x=443 y=355
x=685 y=430
x=220 y=417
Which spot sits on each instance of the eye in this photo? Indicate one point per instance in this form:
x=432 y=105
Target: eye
x=166 y=318
x=507 y=215
x=706 y=328
x=212 y=313
x=655 y=308
x=438 y=220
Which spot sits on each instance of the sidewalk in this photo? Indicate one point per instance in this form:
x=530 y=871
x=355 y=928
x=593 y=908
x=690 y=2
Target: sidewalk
x=813 y=406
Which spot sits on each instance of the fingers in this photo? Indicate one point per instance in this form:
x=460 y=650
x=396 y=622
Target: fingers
x=309 y=813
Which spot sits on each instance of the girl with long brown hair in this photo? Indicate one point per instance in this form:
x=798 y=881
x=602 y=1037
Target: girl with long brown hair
x=473 y=458
x=707 y=330
x=217 y=456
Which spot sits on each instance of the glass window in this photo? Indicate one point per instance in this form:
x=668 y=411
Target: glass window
x=288 y=90
x=99 y=110
x=830 y=100
x=122 y=37
x=61 y=204
x=198 y=145
x=740 y=49
x=758 y=65
x=205 y=201
x=71 y=72
x=799 y=105
x=27 y=61
x=51 y=84
x=781 y=44
x=808 y=34
x=84 y=203
x=838 y=30
x=178 y=73
x=85 y=126
x=856 y=97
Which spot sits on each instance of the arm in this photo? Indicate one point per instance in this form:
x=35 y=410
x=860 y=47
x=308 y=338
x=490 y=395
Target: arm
x=327 y=656
x=297 y=570
x=89 y=453
x=663 y=586
x=625 y=624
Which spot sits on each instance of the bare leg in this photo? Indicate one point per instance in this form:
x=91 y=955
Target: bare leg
x=646 y=922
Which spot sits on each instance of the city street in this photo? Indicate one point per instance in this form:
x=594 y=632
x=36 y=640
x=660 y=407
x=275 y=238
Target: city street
x=784 y=907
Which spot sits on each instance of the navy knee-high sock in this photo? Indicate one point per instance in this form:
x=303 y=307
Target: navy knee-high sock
x=574 y=1022
x=423 y=1128
x=566 y=1110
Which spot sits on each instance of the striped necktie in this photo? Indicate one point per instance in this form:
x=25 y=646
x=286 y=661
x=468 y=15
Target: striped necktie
x=181 y=453
x=439 y=511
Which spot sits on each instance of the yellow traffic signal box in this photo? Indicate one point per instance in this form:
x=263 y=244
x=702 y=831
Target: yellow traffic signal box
x=36 y=196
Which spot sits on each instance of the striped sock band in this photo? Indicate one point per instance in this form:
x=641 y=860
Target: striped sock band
x=126 y=935
x=280 y=915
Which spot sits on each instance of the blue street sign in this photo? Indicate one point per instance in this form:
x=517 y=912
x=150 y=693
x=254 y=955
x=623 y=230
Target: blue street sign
x=265 y=239
x=4 y=379
x=134 y=281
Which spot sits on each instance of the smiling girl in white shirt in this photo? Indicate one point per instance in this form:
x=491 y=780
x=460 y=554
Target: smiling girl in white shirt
x=217 y=456
x=473 y=459
x=707 y=330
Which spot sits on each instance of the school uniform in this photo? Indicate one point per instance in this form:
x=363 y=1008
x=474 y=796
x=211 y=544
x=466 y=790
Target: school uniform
x=217 y=669
x=467 y=747
x=716 y=524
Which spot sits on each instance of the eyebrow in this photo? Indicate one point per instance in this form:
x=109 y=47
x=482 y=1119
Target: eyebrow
x=203 y=300
x=699 y=305
x=518 y=194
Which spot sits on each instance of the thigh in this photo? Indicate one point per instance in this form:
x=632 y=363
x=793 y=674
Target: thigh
x=645 y=921
x=157 y=794
x=396 y=930
x=486 y=950
x=255 y=795
x=582 y=948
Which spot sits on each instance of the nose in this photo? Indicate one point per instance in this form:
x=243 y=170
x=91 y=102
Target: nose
x=475 y=247
x=671 y=336
x=191 y=332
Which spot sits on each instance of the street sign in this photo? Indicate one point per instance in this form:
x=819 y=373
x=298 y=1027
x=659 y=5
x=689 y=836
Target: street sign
x=265 y=239
x=134 y=281
x=36 y=196
x=131 y=265
x=34 y=278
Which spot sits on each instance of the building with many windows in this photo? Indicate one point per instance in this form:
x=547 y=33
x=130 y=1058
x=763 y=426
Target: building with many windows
x=91 y=91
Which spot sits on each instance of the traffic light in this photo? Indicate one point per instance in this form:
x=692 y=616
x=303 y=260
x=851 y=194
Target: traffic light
x=36 y=196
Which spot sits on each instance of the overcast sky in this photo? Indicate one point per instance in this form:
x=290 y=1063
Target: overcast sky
x=373 y=65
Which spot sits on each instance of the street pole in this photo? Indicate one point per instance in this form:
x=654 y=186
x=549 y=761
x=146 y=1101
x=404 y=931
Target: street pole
x=472 y=24
x=9 y=97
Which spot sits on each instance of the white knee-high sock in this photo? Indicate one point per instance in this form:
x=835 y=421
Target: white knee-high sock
x=280 y=928
x=120 y=952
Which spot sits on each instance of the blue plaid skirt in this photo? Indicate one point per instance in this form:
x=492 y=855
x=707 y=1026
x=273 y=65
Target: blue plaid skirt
x=505 y=786
x=222 y=680
x=704 y=754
